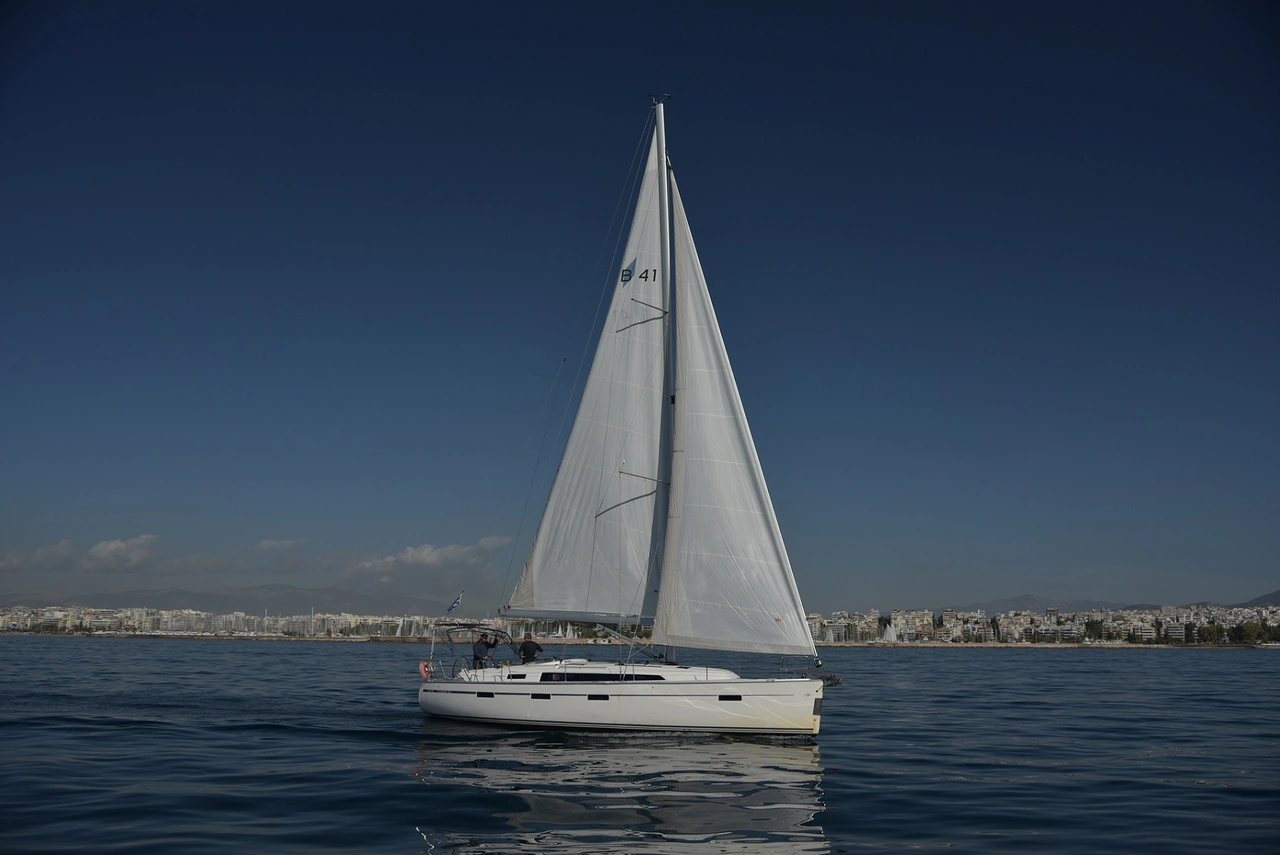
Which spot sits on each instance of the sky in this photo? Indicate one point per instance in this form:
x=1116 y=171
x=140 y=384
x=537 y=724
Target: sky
x=284 y=288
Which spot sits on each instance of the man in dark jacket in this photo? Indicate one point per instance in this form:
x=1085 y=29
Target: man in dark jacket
x=480 y=650
x=530 y=650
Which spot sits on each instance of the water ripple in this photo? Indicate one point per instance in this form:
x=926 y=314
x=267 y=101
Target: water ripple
x=141 y=746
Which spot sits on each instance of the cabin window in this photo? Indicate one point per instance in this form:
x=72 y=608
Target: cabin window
x=731 y=697
x=817 y=706
x=515 y=676
x=597 y=697
x=484 y=694
x=540 y=697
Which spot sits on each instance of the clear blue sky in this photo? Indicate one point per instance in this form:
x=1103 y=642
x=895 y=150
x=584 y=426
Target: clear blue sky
x=283 y=286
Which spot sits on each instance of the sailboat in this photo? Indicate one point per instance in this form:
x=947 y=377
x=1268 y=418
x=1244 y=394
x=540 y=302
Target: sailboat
x=658 y=515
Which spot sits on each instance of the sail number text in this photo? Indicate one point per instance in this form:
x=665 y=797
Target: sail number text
x=649 y=275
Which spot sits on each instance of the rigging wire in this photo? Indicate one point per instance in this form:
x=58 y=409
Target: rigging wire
x=635 y=176
x=550 y=397
x=626 y=195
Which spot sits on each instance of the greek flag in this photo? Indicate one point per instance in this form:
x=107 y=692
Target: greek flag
x=456 y=603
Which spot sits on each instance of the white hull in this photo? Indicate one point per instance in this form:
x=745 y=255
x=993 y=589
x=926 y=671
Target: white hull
x=579 y=694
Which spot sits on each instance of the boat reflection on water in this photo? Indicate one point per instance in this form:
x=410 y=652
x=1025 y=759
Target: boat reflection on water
x=590 y=792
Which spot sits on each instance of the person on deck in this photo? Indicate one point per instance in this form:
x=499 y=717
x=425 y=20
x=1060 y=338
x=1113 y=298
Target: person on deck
x=530 y=650
x=480 y=650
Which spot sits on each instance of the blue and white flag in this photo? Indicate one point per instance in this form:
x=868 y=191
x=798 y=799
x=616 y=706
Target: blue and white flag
x=456 y=603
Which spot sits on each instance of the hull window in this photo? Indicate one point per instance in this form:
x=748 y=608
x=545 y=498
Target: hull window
x=590 y=677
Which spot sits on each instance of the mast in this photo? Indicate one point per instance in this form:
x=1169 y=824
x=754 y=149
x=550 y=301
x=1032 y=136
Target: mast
x=664 y=228
x=668 y=289
x=668 y=305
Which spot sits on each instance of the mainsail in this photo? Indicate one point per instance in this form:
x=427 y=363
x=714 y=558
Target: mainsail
x=591 y=556
x=643 y=503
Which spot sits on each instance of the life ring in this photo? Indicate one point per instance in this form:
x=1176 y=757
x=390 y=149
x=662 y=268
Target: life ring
x=424 y=668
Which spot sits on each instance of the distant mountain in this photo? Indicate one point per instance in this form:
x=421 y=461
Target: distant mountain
x=273 y=599
x=1032 y=603
x=1272 y=599
x=288 y=600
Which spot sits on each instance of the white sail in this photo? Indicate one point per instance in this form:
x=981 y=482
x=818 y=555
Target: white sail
x=591 y=555
x=657 y=512
x=726 y=581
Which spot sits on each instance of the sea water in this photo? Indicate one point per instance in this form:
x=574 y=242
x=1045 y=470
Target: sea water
x=154 y=745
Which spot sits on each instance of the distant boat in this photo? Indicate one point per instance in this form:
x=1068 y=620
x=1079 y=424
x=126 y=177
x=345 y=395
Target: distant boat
x=659 y=515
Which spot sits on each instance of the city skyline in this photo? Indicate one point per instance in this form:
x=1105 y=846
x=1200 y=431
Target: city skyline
x=287 y=289
x=286 y=600
x=1196 y=624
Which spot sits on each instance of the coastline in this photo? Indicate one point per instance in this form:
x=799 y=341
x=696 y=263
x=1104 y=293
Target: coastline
x=908 y=645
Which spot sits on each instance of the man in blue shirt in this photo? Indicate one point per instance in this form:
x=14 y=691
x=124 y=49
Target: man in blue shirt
x=480 y=650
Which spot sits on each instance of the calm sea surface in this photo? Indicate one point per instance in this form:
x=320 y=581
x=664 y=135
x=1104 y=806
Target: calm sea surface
x=148 y=745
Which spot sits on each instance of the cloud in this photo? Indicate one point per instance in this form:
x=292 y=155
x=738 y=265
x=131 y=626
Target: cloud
x=419 y=571
x=456 y=557
x=61 y=556
x=47 y=559
x=114 y=556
